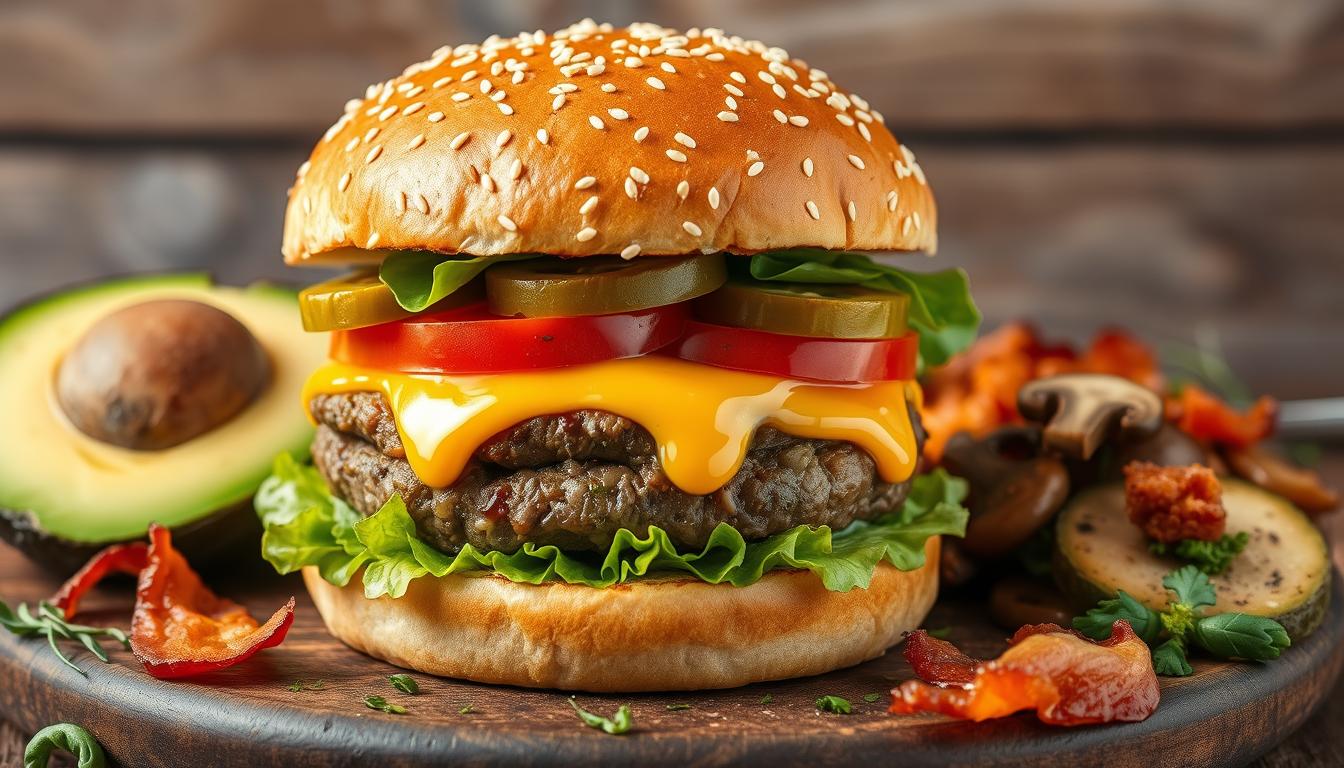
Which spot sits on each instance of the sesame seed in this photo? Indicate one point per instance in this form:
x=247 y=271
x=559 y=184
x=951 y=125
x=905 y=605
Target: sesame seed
x=543 y=136
x=469 y=75
x=656 y=83
x=442 y=81
x=371 y=134
x=676 y=155
x=344 y=182
x=638 y=174
x=596 y=122
x=608 y=87
x=618 y=113
x=755 y=168
x=434 y=117
x=714 y=198
x=668 y=68
x=766 y=77
x=807 y=167
x=779 y=91
x=411 y=109
x=641 y=133
x=461 y=96
x=856 y=161
x=459 y=140
x=683 y=189
x=630 y=251
x=733 y=89
x=352 y=143
x=585 y=182
x=505 y=108
x=684 y=140
x=373 y=240
x=691 y=228
x=386 y=113
x=798 y=120
x=503 y=138
x=738 y=77
x=631 y=189
x=753 y=155
x=488 y=182
x=401 y=202
x=853 y=212
x=728 y=117
x=905 y=226
x=716 y=56
x=516 y=169
x=588 y=206
x=915 y=216
x=507 y=223
x=892 y=199
x=596 y=70
x=844 y=119
x=812 y=210
x=863 y=131
x=781 y=117
x=558 y=102
x=373 y=153
x=585 y=234
x=418 y=141
x=634 y=62
x=422 y=204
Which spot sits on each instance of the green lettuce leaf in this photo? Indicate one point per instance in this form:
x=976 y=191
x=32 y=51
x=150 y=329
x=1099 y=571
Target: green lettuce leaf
x=941 y=307
x=305 y=529
x=419 y=279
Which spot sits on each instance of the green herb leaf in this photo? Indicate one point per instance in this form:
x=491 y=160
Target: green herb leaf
x=678 y=707
x=617 y=724
x=303 y=528
x=382 y=705
x=64 y=737
x=942 y=633
x=834 y=705
x=1241 y=636
x=1211 y=557
x=49 y=622
x=1097 y=622
x=768 y=699
x=420 y=279
x=404 y=683
x=941 y=307
x=466 y=710
x=311 y=685
x=1192 y=587
x=1169 y=659
x=872 y=698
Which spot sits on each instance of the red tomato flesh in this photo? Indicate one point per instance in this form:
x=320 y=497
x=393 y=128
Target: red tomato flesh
x=799 y=357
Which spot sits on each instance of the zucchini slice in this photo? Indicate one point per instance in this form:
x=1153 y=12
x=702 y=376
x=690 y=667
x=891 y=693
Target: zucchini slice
x=1284 y=572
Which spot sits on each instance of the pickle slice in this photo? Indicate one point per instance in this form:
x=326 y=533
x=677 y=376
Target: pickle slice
x=600 y=285
x=805 y=309
x=360 y=299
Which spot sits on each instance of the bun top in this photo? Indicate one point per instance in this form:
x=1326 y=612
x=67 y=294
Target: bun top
x=598 y=140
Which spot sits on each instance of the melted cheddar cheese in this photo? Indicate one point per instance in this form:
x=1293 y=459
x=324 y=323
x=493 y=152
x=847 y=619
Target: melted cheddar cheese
x=701 y=417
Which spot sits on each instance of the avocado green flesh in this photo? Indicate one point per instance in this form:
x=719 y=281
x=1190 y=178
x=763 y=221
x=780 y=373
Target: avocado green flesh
x=58 y=482
x=1284 y=572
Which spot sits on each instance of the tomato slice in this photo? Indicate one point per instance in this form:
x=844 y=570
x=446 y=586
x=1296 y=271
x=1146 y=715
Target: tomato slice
x=472 y=340
x=799 y=357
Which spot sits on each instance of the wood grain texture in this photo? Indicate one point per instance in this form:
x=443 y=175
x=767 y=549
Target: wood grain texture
x=1226 y=714
x=249 y=66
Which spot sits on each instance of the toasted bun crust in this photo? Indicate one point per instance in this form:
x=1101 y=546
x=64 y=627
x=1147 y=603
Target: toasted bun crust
x=666 y=635
x=599 y=140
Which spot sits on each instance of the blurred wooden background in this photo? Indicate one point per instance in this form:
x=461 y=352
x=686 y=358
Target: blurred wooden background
x=1176 y=167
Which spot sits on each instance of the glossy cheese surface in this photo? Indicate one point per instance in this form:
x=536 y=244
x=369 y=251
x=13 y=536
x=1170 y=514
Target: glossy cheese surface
x=701 y=417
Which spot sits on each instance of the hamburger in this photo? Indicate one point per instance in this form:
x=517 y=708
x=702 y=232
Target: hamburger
x=614 y=403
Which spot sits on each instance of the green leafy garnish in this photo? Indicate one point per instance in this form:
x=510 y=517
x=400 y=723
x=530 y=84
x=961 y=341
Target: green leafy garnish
x=404 y=683
x=64 y=737
x=305 y=525
x=615 y=725
x=834 y=705
x=49 y=622
x=420 y=279
x=678 y=707
x=872 y=698
x=941 y=307
x=1211 y=557
x=382 y=705
x=768 y=699
x=1225 y=635
x=299 y=686
x=466 y=709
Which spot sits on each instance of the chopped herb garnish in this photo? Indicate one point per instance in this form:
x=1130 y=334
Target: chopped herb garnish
x=1211 y=557
x=615 y=725
x=767 y=699
x=942 y=633
x=404 y=683
x=872 y=698
x=50 y=623
x=307 y=685
x=678 y=707
x=382 y=705
x=466 y=710
x=834 y=705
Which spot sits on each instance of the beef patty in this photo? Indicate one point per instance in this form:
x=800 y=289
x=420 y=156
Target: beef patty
x=573 y=480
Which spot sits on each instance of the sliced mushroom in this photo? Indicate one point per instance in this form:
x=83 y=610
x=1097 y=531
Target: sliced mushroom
x=1014 y=490
x=1302 y=487
x=1080 y=411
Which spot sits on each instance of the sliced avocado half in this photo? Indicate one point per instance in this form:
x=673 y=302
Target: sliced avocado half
x=1284 y=573
x=63 y=495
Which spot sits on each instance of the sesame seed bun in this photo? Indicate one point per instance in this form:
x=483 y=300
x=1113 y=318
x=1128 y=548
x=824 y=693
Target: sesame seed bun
x=598 y=140
x=658 y=635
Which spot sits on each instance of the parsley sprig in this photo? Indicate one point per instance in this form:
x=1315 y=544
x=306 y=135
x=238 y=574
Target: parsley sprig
x=381 y=704
x=619 y=723
x=1211 y=557
x=1225 y=635
x=49 y=622
x=834 y=704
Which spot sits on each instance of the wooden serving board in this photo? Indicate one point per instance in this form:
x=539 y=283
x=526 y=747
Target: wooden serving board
x=1226 y=714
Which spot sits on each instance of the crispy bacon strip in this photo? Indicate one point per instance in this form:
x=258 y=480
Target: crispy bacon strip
x=1066 y=678
x=181 y=628
x=1210 y=420
x=118 y=558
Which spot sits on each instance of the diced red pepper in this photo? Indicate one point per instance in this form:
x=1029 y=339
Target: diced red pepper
x=181 y=628
x=1209 y=419
x=1066 y=678
x=118 y=558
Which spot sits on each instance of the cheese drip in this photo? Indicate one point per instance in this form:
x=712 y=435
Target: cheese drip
x=701 y=417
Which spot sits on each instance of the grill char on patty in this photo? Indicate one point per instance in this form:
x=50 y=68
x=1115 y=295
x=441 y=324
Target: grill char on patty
x=573 y=480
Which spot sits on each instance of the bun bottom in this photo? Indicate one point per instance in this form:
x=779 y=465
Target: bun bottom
x=669 y=634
